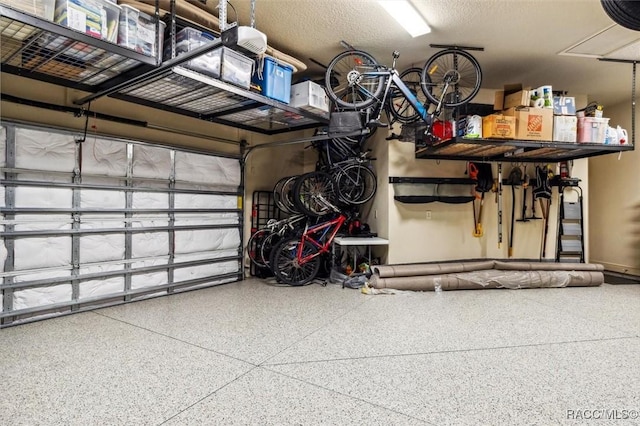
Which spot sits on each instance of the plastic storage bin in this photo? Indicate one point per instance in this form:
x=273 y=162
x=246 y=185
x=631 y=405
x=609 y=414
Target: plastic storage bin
x=81 y=15
x=41 y=8
x=274 y=78
x=137 y=31
x=110 y=21
x=592 y=129
x=128 y=26
x=235 y=68
x=189 y=39
x=146 y=39
x=309 y=96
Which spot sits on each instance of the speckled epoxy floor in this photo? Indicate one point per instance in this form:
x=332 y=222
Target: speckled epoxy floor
x=253 y=353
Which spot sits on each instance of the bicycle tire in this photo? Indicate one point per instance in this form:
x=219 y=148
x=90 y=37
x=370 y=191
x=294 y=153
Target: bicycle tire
x=266 y=247
x=314 y=193
x=254 y=247
x=286 y=195
x=456 y=65
x=623 y=12
x=399 y=106
x=356 y=184
x=345 y=83
x=277 y=194
x=285 y=265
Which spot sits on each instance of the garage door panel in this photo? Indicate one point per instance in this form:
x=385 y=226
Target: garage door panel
x=123 y=233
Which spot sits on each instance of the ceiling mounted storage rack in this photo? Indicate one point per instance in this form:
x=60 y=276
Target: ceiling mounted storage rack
x=40 y=49
x=514 y=150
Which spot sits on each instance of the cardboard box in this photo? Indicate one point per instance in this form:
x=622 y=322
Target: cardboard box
x=309 y=96
x=565 y=128
x=564 y=105
x=498 y=126
x=513 y=95
x=532 y=124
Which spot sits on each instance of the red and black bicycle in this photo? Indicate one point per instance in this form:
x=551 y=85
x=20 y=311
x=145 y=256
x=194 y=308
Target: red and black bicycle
x=296 y=261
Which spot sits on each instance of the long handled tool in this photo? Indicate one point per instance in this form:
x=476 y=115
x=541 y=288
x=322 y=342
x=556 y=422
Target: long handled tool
x=514 y=179
x=545 y=217
x=499 y=195
x=477 y=217
x=525 y=185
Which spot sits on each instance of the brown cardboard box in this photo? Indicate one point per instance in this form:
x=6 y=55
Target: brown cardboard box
x=532 y=124
x=513 y=95
x=498 y=126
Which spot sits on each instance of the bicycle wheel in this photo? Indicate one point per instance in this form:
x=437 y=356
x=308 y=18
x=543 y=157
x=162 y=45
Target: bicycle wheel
x=346 y=81
x=356 y=184
x=453 y=76
x=286 y=267
x=277 y=194
x=265 y=249
x=398 y=105
x=314 y=193
x=254 y=247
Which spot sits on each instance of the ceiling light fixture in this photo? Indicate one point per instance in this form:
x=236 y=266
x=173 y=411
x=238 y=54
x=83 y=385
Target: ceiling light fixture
x=407 y=16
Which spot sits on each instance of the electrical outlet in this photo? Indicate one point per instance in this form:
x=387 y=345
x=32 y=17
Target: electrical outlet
x=428 y=214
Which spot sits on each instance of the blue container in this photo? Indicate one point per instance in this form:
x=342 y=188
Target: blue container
x=275 y=80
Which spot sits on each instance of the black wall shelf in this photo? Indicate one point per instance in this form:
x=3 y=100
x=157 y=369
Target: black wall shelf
x=420 y=190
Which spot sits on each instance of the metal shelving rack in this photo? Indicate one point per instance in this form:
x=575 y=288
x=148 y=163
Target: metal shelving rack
x=42 y=50
x=514 y=150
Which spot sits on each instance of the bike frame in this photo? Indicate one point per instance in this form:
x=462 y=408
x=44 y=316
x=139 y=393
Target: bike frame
x=392 y=77
x=330 y=227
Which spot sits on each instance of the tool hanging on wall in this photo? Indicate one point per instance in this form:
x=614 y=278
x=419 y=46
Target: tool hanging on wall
x=483 y=175
x=534 y=198
x=525 y=185
x=514 y=179
x=499 y=199
x=542 y=193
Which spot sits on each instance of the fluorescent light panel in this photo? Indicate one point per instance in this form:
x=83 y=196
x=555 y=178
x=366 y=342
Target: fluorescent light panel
x=407 y=16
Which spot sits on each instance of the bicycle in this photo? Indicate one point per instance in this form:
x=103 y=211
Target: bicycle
x=349 y=182
x=296 y=261
x=262 y=241
x=450 y=78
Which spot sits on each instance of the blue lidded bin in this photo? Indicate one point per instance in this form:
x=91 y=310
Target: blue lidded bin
x=275 y=80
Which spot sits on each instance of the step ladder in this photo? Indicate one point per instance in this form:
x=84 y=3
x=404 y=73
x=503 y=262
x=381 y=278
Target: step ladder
x=570 y=241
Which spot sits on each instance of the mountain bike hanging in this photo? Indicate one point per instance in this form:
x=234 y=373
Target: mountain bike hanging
x=450 y=78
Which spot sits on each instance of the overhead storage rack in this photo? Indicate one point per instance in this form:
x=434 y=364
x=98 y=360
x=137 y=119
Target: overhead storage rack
x=42 y=50
x=514 y=150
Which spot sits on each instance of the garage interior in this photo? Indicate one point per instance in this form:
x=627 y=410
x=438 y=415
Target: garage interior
x=132 y=183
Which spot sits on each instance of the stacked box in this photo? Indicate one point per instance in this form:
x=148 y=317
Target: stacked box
x=274 y=79
x=532 y=124
x=137 y=31
x=189 y=39
x=81 y=15
x=498 y=126
x=128 y=26
x=309 y=96
x=41 y=8
x=235 y=68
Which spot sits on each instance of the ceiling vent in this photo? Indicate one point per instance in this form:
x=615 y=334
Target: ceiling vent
x=613 y=42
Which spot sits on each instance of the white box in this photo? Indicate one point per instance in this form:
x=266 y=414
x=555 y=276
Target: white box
x=309 y=96
x=565 y=128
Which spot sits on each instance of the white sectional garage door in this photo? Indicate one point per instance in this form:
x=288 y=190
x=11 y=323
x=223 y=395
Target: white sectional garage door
x=102 y=221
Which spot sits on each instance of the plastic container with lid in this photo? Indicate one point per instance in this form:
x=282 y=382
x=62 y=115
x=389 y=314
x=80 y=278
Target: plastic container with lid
x=189 y=39
x=147 y=39
x=41 y=8
x=592 y=129
x=128 y=26
x=274 y=78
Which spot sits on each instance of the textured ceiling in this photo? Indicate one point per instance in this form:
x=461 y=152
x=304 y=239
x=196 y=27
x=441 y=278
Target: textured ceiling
x=521 y=38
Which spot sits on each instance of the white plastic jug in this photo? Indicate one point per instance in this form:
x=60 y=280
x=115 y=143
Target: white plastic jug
x=622 y=135
x=611 y=136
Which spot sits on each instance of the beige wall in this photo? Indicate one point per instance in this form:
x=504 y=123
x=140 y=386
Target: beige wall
x=615 y=202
